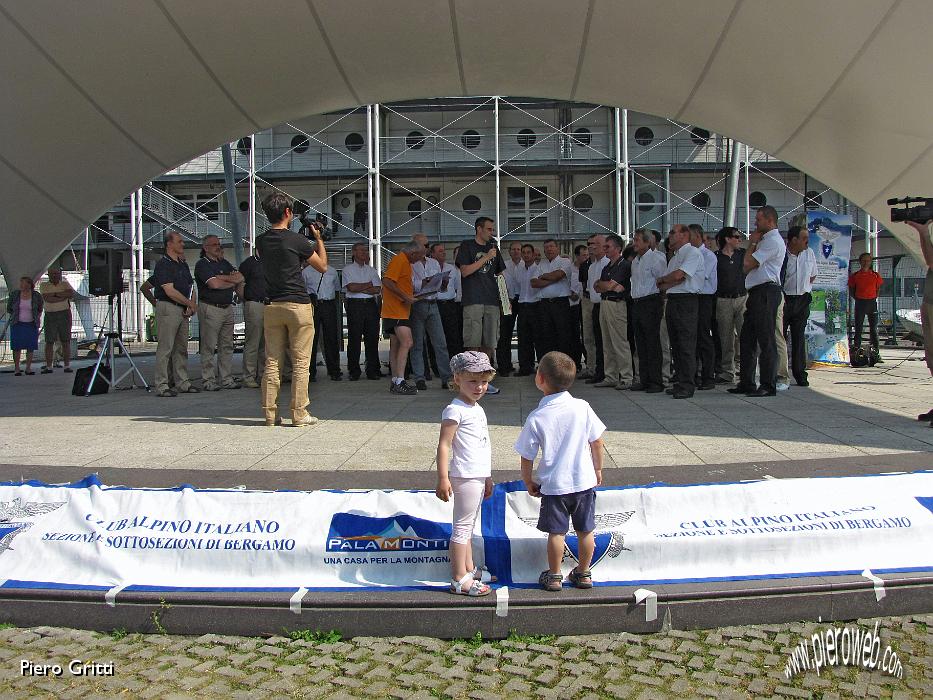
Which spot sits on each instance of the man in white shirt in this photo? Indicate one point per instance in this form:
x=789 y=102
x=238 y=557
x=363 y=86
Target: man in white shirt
x=762 y=264
x=529 y=330
x=323 y=291
x=592 y=334
x=553 y=285
x=798 y=285
x=706 y=312
x=426 y=321
x=647 y=310
x=504 y=366
x=682 y=282
x=448 y=301
x=362 y=286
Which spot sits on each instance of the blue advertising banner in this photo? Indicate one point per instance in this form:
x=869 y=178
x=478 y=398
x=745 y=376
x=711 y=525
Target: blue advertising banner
x=827 y=330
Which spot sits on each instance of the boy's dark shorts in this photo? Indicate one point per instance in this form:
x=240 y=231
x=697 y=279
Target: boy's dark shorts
x=558 y=511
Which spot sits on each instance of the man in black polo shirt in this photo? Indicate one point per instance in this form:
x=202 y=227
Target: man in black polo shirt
x=615 y=286
x=730 y=299
x=172 y=289
x=254 y=296
x=288 y=320
x=217 y=279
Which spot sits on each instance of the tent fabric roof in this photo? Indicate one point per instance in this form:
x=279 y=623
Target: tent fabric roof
x=102 y=96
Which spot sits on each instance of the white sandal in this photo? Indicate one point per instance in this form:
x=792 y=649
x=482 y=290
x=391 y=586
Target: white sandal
x=481 y=573
x=477 y=588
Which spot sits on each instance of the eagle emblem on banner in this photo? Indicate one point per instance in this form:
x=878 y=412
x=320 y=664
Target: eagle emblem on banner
x=610 y=540
x=11 y=511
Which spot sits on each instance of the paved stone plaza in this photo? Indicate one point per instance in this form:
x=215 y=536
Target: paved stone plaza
x=730 y=662
x=845 y=413
x=862 y=415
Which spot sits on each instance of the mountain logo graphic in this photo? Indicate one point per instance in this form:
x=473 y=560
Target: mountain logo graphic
x=10 y=528
x=352 y=532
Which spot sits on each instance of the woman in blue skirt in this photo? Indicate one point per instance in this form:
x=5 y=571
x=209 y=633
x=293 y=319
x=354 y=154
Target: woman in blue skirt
x=25 y=308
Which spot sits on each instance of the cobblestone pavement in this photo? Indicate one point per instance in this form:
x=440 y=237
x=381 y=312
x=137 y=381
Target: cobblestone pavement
x=723 y=663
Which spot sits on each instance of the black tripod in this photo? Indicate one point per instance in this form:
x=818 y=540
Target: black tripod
x=111 y=341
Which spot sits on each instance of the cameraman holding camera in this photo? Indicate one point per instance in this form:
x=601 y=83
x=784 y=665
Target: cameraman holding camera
x=926 y=306
x=288 y=321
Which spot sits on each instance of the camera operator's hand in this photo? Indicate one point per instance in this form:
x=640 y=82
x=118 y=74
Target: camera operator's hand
x=919 y=228
x=315 y=229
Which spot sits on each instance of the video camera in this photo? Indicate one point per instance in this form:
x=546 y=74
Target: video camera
x=919 y=214
x=308 y=222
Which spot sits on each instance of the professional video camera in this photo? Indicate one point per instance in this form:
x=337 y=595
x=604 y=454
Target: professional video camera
x=303 y=212
x=919 y=214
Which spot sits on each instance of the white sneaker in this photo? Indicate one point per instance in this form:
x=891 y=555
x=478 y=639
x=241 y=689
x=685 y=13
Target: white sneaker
x=491 y=390
x=781 y=386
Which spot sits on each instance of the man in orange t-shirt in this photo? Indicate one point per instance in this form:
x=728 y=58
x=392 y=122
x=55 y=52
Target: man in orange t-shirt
x=865 y=285
x=397 y=298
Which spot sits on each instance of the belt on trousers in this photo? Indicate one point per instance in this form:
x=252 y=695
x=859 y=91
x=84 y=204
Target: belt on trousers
x=219 y=306
x=647 y=297
x=732 y=296
x=426 y=301
x=554 y=300
x=763 y=286
x=357 y=300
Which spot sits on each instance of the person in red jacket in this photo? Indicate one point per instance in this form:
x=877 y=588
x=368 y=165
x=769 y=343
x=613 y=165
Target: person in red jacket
x=865 y=285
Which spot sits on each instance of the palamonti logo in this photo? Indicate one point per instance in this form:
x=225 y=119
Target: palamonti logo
x=845 y=646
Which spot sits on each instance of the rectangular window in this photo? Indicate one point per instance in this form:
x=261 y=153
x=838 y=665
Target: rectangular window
x=526 y=209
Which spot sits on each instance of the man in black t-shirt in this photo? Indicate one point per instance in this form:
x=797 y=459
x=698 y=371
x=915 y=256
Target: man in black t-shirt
x=480 y=263
x=217 y=279
x=254 y=296
x=172 y=289
x=288 y=321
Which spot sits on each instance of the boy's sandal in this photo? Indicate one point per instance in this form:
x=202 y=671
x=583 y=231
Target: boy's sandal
x=580 y=579
x=477 y=588
x=550 y=582
x=481 y=573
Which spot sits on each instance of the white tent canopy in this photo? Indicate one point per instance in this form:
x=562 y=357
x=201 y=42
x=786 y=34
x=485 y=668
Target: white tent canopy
x=101 y=96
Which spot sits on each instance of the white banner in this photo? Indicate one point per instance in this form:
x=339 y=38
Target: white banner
x=780 y=528
x=90 y=536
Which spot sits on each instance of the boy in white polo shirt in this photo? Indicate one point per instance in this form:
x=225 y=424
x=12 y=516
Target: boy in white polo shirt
x=569 y=435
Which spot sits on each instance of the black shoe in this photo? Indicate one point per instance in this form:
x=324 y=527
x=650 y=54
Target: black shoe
x=594 y=380
x=928 y=416
x=637 y=387
x=336 y=377
x=528 y=373
x=654 y=390
x=374 y=377
x=683 y=394
x=803 y=383
x=720 y=380
x=421 y=385
x=504 y=372
x=760 y=392
x=445 y=385
x=356 y=377
x=670 y=390
x=739 y=389
x=404 y=389
x=707 y=386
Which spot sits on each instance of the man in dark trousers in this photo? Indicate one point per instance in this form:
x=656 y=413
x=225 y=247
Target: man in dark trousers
x=865 y=285
x=647 y=309
x=682 y=282
x=764 y=258
x=798 y=285
x=254 y=296
x=217 y=279
x=553 y=284
x=362 y=285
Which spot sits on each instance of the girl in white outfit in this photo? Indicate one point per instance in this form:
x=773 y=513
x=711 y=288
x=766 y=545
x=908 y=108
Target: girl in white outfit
x=464 y=467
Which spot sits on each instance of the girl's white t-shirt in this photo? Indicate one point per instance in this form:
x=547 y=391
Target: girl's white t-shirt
x=471 y=452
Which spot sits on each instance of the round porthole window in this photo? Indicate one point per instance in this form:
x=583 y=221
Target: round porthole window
x=414 y=140
x=645 y=201
x=414 y=208
x=353 y=142
x=471 y=204
x=644 y=136
x=699 y=136
x=244 y=144
x=299 y=143
x=700 y=200
x=582 y=136
x=813 y=199
x=470 y=138
x=526 y=138
x=757 y=199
